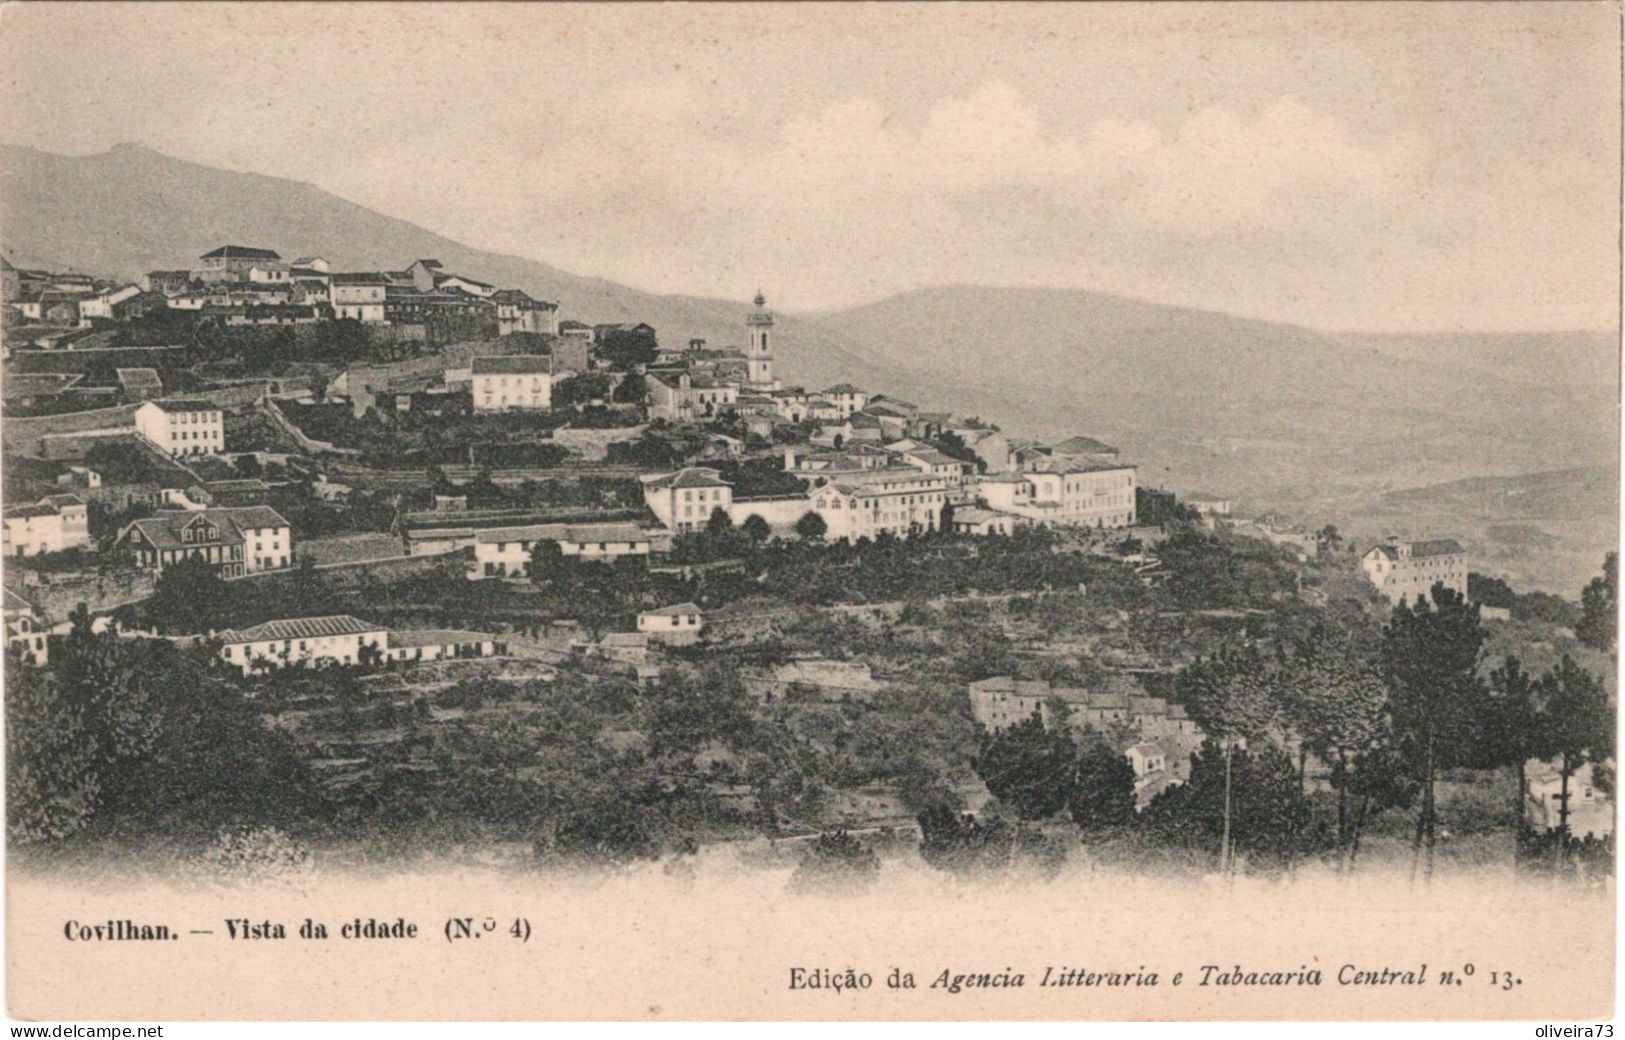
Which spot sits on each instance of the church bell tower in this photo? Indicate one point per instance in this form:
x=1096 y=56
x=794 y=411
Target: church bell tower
x=759 y=353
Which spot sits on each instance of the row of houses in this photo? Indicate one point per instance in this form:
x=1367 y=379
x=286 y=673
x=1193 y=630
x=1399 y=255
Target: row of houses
x=1162 y=733
x=67 y=299
x=340 y=640
x=255 y=285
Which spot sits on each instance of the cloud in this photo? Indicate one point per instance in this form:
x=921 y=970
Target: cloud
x=1286 y=165
x=1220 y=170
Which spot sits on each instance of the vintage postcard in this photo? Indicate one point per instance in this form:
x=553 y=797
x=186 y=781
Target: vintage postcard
x=810 y=512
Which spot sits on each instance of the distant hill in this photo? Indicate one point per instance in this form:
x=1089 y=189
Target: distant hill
x=1579 y=494
x=1256 y=408
x=1273 y=415
x=1547 y=530
x=130 y=210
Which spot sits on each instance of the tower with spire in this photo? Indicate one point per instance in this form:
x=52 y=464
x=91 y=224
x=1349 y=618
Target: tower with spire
x=759 y=352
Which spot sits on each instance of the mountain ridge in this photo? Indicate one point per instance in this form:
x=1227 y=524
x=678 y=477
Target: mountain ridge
x=1278 y=414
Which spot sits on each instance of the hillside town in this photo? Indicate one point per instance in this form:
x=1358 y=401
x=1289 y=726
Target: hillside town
x=393 y=507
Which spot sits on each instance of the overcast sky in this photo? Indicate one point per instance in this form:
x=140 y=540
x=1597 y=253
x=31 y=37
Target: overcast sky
x=1379 y=167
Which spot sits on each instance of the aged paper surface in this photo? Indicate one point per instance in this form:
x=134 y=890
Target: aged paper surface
x=810 y=512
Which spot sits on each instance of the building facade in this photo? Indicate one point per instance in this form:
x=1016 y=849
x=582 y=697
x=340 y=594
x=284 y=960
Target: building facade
x=1067 y=494
x=681 y=623
x=684 y=501
x=505 y=552
x=231 y=263
x=515 y=381
x=1407 y=571
x=359 y=296
x=235 y=541
x=900 y=502
x=182 y=429
x=53 y=524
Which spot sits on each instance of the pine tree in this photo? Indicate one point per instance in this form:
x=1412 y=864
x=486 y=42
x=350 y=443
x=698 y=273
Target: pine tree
x=1437 y=702
x=1030 y=768
x=1599 y=608
x=1580 y=724
x=1103 y=796
x=1515 y=728
x=1337 y=703
x=1235 y=697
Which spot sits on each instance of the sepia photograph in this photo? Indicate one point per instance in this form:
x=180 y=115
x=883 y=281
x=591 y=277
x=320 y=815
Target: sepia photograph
x=810 y=512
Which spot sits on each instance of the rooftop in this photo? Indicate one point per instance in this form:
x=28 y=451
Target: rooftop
x=437 y=637
x=579 y=534
x=690 y=477
x=1081 y=446
x=514 y=364
x=163 y=529
x=673 y=611
x=241 y=253
x=301 y=628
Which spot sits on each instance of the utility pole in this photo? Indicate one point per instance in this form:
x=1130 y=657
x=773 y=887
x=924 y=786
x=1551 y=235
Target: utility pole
x=1224 y=844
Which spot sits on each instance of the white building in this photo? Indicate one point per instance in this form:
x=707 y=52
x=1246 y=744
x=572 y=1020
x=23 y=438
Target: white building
x=231 y=263
x=180 y=428
x=1066 y=494
x=237 y=541
x=25 y=633
x=1208 y=505
x=1591 y=812
x=901 y=502
x=518 y=311
x=1407 y=571
x=976 y=521
x=270 y=272
x=101 y=304
x=340 y=639
x=846 y=397
x=310 y=642
x=504 y=552
x=53 y=524
x=439 y=644
x=512 y=381
x=946 y=468
x=684 y=501
x=358 y=295
x=680 y=623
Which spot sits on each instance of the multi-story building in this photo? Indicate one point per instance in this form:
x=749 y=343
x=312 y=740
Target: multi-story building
x=897 y=501
x=946 y=468
x=168 y=282
x=518 y=311
x=237 y=541
x=678 y=394
x=25 y=633
x=358 y=295
x=53 y=524
x=513 y=381
x=846 y=397
x=1066 y=493
x=684 y=501
x=182 y=428
x=102 y=305
x=231 y=263
x=1407 y=571
x=504 y=552
x=680 y=623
